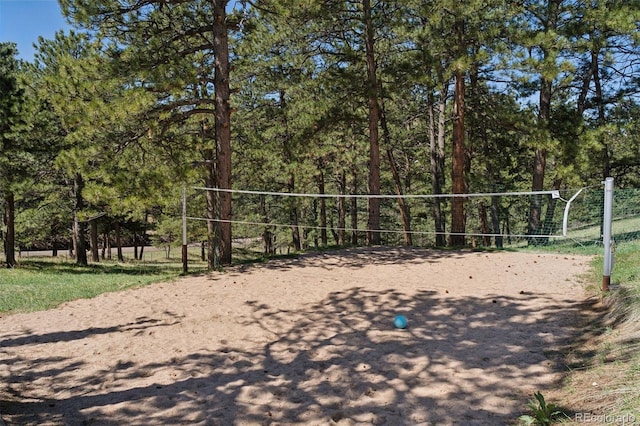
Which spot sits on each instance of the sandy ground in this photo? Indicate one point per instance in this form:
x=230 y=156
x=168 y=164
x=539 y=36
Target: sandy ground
x=305 y=341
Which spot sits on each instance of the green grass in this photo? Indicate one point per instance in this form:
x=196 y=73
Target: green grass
x=587 y=240
x=40 y=283
x=621 y=350
x=609 y=381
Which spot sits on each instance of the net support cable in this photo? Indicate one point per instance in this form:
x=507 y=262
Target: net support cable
x=553 y=193
x=387 y=231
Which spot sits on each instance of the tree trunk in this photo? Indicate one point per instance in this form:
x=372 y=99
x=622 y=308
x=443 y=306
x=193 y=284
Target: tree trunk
x=495 y=220
x=324 y=240
x=354 y=208
x=213 y=203
x=93 y=233
x=105 y=244
x=10 y=235
x=268 y=238
x=373 y=223
x=484 y=225
x=540 y=158
x=293 y=216
x=107 y=248
x=119 y=242
x=342 y=210
x=490 y=220
x=135 y=244
x=436 y=149
x=222 y=125
x=79 y=227
x=142 y=244
x=549 y=21
x=458 y=166
x=405 y=215
x=535 y=212
x=548 y=225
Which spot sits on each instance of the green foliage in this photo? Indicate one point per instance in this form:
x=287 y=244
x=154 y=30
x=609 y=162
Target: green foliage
x=544 y=414
x=17 y=157
x=131 y=103
x=14 y=109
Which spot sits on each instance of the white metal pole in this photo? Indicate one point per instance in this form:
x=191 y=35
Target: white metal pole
x=606 y=233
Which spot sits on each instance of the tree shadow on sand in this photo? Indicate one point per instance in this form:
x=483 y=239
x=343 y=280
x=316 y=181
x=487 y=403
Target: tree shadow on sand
x=358 y=257
x=471 y=360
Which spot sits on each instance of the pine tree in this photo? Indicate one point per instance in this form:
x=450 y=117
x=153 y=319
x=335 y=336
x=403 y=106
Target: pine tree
x=606 y=44
x=180 y=52
x=12 y=149
x=454 y=40
x=63 y=65
x=541 y=30
x=99 y=117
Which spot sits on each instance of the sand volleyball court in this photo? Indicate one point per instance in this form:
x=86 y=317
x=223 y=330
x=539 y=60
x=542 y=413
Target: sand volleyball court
x=304 y=341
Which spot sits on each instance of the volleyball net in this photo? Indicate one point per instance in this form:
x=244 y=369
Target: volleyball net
x=278 y=222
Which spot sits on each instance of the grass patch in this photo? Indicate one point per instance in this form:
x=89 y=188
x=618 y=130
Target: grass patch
x=606 y=380
x=43 y=282
x=40 y=283
x=603 y=383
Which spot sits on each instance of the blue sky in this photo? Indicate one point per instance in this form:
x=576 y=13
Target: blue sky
x=22 y=21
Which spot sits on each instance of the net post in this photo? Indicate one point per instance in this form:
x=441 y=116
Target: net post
x=606 y=234
x=184 y=230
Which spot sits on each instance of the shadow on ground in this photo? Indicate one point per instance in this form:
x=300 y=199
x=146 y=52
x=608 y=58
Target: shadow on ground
x=467 y=361
x=358 y=257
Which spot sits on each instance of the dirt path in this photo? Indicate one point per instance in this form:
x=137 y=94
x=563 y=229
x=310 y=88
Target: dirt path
x=307 y=341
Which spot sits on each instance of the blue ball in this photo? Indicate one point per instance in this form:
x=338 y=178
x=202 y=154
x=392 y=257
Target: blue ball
x=400 y=321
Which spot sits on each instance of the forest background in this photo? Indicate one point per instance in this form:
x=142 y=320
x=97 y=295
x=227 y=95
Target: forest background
x=107 y=125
